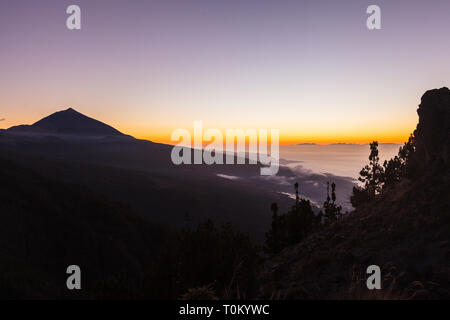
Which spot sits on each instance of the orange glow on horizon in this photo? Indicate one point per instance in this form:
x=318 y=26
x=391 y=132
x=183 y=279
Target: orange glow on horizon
x=284 y=141
x=289 y=135
x=160 y=132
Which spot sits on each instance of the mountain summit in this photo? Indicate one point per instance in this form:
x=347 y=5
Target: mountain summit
x=69 y=122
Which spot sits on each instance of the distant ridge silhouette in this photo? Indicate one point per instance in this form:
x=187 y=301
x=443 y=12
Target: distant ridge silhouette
x=68 y=121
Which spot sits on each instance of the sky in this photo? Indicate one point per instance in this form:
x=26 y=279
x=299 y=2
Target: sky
x=311 y=69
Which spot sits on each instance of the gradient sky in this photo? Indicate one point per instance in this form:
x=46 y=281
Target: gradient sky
x=309 y=68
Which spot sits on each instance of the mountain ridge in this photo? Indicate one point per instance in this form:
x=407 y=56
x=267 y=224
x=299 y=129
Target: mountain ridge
x=66 y=122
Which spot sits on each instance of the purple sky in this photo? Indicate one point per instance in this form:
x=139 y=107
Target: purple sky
x=310 y=68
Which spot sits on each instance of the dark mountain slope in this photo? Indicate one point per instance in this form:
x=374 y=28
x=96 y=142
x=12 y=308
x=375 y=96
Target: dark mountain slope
x=72 y=148
x=141 y=174
x=405 y=231
x=47 y=226
x=164 y=196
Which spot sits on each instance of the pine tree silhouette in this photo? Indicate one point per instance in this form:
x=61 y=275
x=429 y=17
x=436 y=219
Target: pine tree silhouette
x=372 y=175
x=332 y=210
x=377 y=178
x=292 y=227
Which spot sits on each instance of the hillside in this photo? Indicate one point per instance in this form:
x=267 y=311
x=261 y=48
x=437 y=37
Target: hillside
x=404 y=230
x=48 y=225
x=67 y=146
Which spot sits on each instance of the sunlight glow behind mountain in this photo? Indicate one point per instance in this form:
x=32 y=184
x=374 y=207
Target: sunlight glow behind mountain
x=310 y=68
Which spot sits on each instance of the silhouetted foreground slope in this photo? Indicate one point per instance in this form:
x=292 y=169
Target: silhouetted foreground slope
x=405 y=231
x=47 y=226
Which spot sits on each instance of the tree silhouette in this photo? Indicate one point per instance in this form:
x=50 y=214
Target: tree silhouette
x=332 y=210
x=401 y=165
x=359 y=196
x=377 y=178
x=206 y=256
x=274 y=240
x=372 y=176
x=292 y=227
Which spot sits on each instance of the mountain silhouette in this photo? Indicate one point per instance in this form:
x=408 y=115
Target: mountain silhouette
x=72 y=148
x=67 y=122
